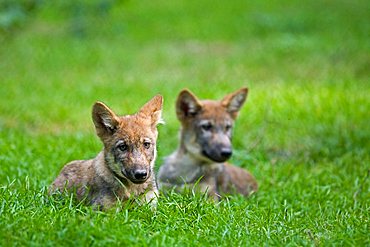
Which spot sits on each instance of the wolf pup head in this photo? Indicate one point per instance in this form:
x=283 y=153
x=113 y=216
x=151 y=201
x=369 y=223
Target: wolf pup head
x=129 y=141
x=207 y=124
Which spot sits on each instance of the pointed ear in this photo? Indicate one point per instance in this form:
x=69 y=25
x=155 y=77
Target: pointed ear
x=234 y=101
x=187 y=105
x=153 y=109
x=105 y=120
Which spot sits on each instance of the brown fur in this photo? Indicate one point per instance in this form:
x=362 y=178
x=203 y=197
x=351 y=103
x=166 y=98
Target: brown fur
x=124 y=168
x=205 y=145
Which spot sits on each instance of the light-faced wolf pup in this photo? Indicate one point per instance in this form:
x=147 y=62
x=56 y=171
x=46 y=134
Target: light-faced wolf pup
x=205 y=145
x=124 y=168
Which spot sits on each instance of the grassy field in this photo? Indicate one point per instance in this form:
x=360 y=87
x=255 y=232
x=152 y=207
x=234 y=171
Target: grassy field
x=304 y=131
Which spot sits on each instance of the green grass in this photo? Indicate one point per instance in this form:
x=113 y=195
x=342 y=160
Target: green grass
x=304 y=131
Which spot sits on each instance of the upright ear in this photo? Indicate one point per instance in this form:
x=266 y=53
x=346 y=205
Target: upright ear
x=234 y=101
x=105 y=121
x=187 y=105
x=153 y=109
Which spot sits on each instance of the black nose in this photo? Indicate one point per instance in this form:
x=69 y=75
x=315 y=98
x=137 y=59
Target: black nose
x=140 y=174
x=226 y=152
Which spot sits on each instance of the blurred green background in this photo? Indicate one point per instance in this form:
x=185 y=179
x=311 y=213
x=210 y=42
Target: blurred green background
x=306 y=64
x=303 y=132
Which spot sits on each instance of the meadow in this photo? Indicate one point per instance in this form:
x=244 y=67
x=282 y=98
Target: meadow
x=304 y=131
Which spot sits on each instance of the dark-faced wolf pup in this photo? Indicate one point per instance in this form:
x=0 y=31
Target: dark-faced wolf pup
x=205 y=146
x=124 y=168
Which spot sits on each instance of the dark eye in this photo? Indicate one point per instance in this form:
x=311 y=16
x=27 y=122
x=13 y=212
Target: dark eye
x=228 y=127
x=122 y=147
x=147 y=144
x=206 y=126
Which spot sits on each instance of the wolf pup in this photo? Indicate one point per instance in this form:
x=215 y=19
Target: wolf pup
x=205 y=145
x=124 y=168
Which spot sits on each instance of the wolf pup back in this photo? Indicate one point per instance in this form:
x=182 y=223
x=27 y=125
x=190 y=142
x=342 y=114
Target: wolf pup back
x=205 y=146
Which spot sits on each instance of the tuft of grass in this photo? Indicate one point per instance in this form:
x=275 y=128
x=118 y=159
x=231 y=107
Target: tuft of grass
x=303 y=132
